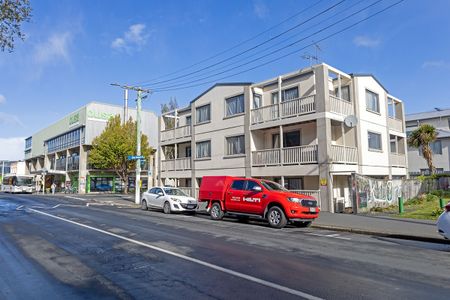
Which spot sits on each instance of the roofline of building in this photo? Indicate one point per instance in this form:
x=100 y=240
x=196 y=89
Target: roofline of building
x=221 y=84
x=423 y=115
x=369 y=75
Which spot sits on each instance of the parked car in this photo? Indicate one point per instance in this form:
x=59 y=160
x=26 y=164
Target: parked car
x=263 y=199
x=169 y=199
x=443 y=223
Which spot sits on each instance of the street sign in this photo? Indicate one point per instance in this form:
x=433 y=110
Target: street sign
x=135 y=157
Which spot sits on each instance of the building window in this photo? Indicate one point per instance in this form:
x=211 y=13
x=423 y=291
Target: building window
x=188 y=120
x=203 y=149
x=65 y=141
x=372 y=103
x=235 y=145
x=290 y=139
x=257 y=101
x=393 y=143
x=391 y=108
x=235 y=105
x=436 y=148
x=286 y=95
x=374 y=141
x=28 y=143
x=187 y=152
x=203 y=113
x=293 y=183
x=345 y=93
x=448 y=123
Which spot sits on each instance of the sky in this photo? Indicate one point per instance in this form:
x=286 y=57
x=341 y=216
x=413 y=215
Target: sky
x=74 y=50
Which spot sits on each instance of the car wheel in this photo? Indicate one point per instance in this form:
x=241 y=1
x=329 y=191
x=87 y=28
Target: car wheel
x=303 y=224
x=216 y=211
x=166 y=207
x=276 y=217
x=144 y=205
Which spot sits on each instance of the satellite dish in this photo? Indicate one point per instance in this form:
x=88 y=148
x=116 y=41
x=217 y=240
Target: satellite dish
x=351 y=121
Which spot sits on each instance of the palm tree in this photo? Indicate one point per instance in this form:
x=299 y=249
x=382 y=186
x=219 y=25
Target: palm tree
x=423 y=137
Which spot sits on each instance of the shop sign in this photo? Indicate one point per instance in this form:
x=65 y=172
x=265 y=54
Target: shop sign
x=74 y=119
x=99 y=115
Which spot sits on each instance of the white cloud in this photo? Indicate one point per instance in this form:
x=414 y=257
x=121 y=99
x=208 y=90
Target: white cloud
x=56 y=47
x=8 y=119
x=133 y=39
x=365 y=41
x=12 y=148
x=435 y=64
x=260 y=9
x=2 y=99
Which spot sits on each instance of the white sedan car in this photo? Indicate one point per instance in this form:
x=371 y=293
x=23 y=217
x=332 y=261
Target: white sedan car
x=170 y=199
x=443 y=223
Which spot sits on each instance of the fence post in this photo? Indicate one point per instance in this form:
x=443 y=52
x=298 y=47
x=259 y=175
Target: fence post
x=441 y=203
x=400 y=205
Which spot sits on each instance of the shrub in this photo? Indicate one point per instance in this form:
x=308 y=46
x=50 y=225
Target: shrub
x=431 y=198
x=437 y=212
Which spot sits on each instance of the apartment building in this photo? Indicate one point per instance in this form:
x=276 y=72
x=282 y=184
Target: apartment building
x=61 y=150
x=309 y=130
x=440 y=119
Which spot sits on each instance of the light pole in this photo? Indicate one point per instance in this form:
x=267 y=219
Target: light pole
x=3 y=174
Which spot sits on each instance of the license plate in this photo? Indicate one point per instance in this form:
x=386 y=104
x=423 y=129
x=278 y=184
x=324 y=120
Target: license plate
x=312 y=209
x=191 y=206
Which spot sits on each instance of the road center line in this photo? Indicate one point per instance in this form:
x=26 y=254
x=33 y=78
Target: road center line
x=194 y=260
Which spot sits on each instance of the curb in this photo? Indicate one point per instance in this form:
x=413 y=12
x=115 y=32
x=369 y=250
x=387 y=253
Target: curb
x=384 y=234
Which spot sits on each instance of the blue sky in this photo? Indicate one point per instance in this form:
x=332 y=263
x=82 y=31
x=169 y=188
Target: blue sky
x=75 y=49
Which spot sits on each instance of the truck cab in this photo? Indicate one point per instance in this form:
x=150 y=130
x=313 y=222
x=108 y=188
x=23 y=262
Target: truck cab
x=257 y=198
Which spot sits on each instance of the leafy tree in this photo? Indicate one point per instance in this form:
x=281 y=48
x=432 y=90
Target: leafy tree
x=111 y=148
x=165 y=108
x=12 y=14
x=422 y=137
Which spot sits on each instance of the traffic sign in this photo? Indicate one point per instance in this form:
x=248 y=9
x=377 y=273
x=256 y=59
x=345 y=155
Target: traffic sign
x=135 y=157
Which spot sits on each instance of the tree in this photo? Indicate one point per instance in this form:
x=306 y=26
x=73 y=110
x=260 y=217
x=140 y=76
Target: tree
x=111 y=148
x=12 y=14
x=167 y=107
x=422 y=137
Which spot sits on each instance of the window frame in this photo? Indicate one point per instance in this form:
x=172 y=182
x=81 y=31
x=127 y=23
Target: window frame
x=235 y=98
x=368 y=141
x=197 y=122
x=378 y=111
x=196 y=150
x=227 y=154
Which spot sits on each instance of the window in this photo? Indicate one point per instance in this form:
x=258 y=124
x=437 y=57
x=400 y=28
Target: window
x=28 y=143
x=391 y=108
x=203 y=149
x=286 y=95
x=393 y=143
x=374 y=141
x=187 y=152
x=448 y=123
x=235 y=105
x=203 y=114
x=293 y=183
x=251 y=185
x=345 y=92
x=67 y=140
x=372 y=103
x=436 y=147
x=235 y=145
x=188 y=120
x=290 y=139
x=238 y=185
x=257 y=101
x=274 y=97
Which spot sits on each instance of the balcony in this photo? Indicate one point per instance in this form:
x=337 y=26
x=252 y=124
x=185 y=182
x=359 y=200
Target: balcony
x=344 y=154
x=291 y=156
x=179 y=164
x=397 y=159
x=340 y=106
x=290 y=108
x=395 y=124
x=176 y=133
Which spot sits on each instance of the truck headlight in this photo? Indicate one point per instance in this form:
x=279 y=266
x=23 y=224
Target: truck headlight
x=293 y=199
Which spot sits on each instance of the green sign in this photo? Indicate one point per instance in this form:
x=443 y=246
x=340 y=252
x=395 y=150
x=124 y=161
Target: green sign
x=74 y=119
x=99 y=115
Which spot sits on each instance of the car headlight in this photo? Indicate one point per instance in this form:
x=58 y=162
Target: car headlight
x=176 y=200
x=293 y=199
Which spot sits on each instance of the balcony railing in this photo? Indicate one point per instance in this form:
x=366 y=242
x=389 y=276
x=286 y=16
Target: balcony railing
x=395 y=124
x=290 y=108
x=291 y=155
x=179 y=164
x=344 y=154
x=397 y=159
x=176 y=133
x=340 y=106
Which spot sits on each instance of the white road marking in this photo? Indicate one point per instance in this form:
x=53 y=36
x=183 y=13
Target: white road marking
x=76 y=198
x=194 y=260
x=19 y=208
x=334 y=236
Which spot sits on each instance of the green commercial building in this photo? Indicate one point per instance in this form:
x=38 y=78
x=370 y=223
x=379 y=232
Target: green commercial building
x=61 y=150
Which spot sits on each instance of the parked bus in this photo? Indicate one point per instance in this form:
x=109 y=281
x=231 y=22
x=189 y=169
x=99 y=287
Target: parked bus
x=18 y=184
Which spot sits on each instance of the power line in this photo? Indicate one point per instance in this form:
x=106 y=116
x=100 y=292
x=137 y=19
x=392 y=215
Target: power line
x=249 y=49
x=288 y=54
x=346 y=9
x=232 y=47
x=274 y=51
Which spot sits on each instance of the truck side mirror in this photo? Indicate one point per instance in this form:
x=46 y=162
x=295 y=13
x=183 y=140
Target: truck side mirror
x=257 y=188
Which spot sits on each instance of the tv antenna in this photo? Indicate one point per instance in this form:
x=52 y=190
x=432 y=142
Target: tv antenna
x=313 y=57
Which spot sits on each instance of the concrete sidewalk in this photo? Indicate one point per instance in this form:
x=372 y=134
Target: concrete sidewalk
x=422 y=230
x=105 y=199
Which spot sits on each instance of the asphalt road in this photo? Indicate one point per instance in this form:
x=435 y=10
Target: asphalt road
x=59 y=248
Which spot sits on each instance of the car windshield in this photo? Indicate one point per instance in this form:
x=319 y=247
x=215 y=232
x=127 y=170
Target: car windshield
x=174 y=192
x=272 y=186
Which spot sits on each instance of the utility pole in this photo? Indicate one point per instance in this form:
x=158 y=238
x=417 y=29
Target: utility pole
x=3 y=174
x=140 y=91
x=125 y=106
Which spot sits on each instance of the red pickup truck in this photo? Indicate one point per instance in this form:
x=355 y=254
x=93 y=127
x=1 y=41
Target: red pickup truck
x=248 y=197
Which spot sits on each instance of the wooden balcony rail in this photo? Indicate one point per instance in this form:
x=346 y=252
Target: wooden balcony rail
x=340 y=106
x=344 y=154
x=176 y=133
x=178 y=164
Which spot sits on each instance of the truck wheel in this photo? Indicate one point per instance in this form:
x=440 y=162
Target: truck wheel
x=304 y=224
x=276 y=217
x=166 y=207
x=216 y=211
x=144 y=205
